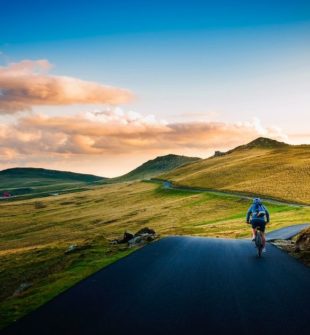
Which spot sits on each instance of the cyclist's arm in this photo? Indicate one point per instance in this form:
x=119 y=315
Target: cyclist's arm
x=267 y=215
x=248 y=215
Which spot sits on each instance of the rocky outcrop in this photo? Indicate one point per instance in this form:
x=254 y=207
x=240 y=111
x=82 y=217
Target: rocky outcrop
x=298 y=247
x=144 y=235
x=126 y=237
x=144 y=231
x=218 y=153
x=303 y=241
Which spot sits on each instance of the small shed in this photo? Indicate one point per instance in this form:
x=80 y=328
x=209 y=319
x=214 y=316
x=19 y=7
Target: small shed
x=6 y=194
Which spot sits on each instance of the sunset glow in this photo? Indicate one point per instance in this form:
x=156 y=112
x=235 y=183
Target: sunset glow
x=92 y=92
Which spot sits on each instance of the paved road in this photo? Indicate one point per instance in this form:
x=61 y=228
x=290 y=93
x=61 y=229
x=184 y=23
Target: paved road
x=168 y=185
x=286 y=233
x=184 y=285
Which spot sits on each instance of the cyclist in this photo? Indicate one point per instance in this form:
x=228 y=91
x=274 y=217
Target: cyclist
x=258 y=216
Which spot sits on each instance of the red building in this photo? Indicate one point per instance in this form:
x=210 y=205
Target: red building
x=6 y=194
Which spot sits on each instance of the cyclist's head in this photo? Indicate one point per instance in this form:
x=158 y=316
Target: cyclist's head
x=257 y=201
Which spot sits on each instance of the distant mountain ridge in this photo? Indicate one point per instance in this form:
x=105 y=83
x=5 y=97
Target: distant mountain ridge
x=258 y=143
x=154 y=167
x=262 y=142
x=23 y=181
x=19 y=172
x=263 y=167
x=28 y=181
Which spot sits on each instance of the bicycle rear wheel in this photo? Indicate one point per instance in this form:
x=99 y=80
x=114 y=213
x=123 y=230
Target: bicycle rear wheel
x=259 y=243
x=259 y=251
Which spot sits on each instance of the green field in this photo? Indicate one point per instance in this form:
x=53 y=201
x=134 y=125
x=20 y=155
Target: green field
x=35 y=233
x=263 y=167
x=34 y=181
x=30 y=182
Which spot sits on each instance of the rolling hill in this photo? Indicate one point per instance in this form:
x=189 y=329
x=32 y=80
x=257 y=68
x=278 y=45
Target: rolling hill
x=154 y=167
x=21 y=181
x=262 y=167
x=38 y=234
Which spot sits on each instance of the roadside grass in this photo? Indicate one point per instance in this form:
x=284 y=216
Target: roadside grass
x=50 y=272
x=29 y=187
x=35 y=233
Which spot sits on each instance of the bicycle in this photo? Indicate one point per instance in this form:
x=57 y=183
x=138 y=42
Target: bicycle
x=258 y=241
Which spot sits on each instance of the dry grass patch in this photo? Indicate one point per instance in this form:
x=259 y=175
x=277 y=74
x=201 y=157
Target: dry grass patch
x=281 y=173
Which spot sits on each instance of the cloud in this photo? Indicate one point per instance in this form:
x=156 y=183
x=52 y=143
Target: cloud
x=27 y=84
x=115 y=132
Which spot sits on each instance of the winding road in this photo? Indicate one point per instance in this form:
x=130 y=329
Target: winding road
x=169 y=185
x=286 y=232
x=183 y=285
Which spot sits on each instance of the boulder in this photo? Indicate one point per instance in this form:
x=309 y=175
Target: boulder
x=142 y=236
x=218 y=153
x=71 y=248
x=127 y=237
x=150 y=238
x=134 y=241
x=22 y=287
x=145 y=231
x=303 y=241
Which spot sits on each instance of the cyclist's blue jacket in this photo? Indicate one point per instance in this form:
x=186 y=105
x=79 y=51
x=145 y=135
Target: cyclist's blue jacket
x=252 y=214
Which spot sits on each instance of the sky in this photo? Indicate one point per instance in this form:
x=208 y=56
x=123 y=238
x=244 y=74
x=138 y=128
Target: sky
x=102 y=86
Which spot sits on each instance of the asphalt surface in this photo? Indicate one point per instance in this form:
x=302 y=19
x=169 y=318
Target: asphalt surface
x=168 y=185
x=184 y=285
x=286 y=233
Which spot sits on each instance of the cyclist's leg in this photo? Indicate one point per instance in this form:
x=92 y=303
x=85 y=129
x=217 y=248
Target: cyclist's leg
x=263 y=240
x=254 y=226
x=253 y=229
x=263 y=234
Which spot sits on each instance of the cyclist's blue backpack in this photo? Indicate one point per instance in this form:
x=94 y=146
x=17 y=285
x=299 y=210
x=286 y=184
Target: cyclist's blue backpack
x=260 y=211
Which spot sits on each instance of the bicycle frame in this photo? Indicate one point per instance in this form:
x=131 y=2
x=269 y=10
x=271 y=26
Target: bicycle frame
x=258 y=241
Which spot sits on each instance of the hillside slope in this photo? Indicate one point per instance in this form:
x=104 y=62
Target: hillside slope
x=154 y=167
x=262 y=167
x=19 y=181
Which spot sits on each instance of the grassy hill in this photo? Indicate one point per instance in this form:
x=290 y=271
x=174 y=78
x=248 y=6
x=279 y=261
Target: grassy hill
x=21 y=181
x=154 y=167
x=37 y=181
x=262 y=167
x=36 y=233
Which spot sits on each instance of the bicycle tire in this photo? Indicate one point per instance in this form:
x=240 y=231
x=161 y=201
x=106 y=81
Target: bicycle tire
x=259 y=243
x=259 y=251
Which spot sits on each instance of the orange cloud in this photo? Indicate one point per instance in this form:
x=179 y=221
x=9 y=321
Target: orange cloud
x=115 y=132
x=27 y=84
